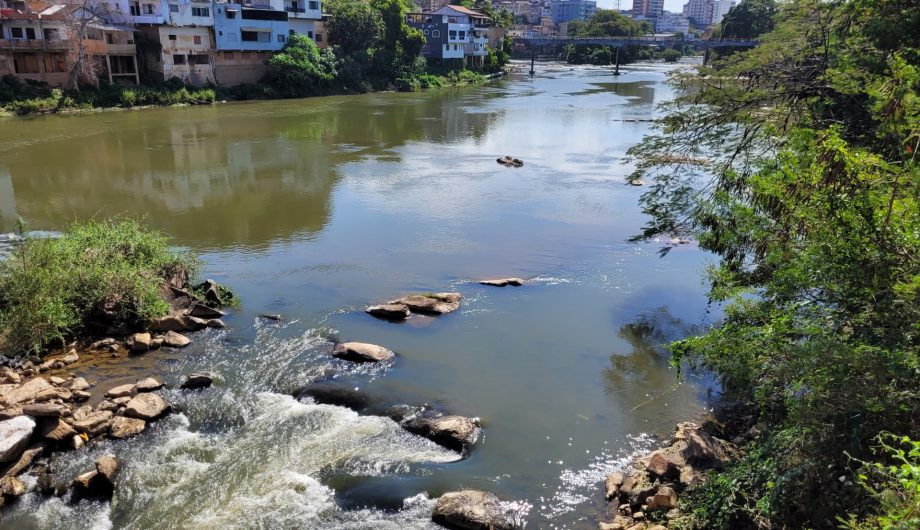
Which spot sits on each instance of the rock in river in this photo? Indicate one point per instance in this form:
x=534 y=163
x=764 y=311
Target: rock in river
x=146 y=406
x=14 y=436
x=503 y=282
x=141 y=341
x=454 y=432
x=337 y=394
x=362 y=352
x=389 y=311
x=431 y=303
x=176 y=340
x=196 y=381
x=471 y=510
x=99 y=483
x=125 y=427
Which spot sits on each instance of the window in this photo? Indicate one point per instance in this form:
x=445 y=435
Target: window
x=17 y=33
x=319 y=37
x=148 y=9
x=256 y=36
x=199 y=59
x=310 y=34
x=314 y=5
x=173 y=8
x=179 y=59
x=220 y=33
x=109 y=39
x=462 y=35
x=201 y=12
x=436 y=33
x=281 y=38
x=51 y=34
x=196 y=39
x=30 y=33
x=231 y=13
x=172 y=37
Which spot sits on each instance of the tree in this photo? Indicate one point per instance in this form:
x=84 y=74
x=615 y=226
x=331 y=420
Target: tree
x=604 y=23
x=402 y=42
x=300 y=68
x=796 y=164
x=81 y=22
x=749 y=19
x=354 y=26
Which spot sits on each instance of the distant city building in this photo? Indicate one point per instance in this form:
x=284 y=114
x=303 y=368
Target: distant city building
x=699 y=12
x=566 y=10
x=672 y=23
x=720 y=9
x=647 y=8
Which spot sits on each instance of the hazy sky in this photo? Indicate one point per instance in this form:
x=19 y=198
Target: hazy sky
x=674 y=6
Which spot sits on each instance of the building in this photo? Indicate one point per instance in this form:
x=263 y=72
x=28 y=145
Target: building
x=672 y=23
x=453 y=32
x=566 y=10
x=245 y=36
x=39 y=42
x=699 y=12
x=721 y=8
x=647 y=8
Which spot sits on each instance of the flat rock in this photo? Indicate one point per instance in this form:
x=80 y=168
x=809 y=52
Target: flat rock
x=471 y=510
x=612 y=485
x=175 y=340
x=12 y=487
x=503 y=282
x=55 y=429
x=148 y=385
x=193 y=323
x=146 y=406
x=27 y=391
x=54 y=410
x=125 y=427
x=70 y=358
x=79 y=383
x=121 y=391
x=196 y=381
x=205 y=312
x=25 y=460
x=362 y=352
x=389 y=311
x=169 y=323
x=216 y=323
x=102 y=344
x=337 y=394
x=93 y=423
x=141 y=341
x=14 y=437
x=431 y=303
x=454 y=432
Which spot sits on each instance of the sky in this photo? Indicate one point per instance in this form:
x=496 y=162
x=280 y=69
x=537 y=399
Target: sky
x=674 y=6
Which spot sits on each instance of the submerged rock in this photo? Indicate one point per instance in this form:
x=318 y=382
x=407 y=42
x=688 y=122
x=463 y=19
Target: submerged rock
x=196 y=381
x=471 y=510
x=503 y=282
x=362 y=352
x=389 y=311
x=454 y=432
x=14 y=437
x=432 y=303
x=333 y=394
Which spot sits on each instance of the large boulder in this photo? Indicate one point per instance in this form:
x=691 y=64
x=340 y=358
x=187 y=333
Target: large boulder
x=27 y=391
x=471 y=510
x=99 y=483
x=612 y=485
x=636 y=488
x=54 y=410
x=454 y=432
x=335 y=394
x=125 y=427
x=25 y=460
x=93 y=423
x=196 y=381
x=389 y=311
x=700 y=448
x=431 y=303
x=55 y=429
x=362 y=352
x=14 y=437
x=141 y=342
x=146 y=407
x=169 y=323
x=205 y=312
x=175 y=340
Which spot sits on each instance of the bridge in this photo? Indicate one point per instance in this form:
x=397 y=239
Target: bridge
x=532 y=43
x=649 y=40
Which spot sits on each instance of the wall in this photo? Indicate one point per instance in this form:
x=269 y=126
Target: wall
x=238 y=67
x=189 y=13
x=194 y=64
x=231 y=20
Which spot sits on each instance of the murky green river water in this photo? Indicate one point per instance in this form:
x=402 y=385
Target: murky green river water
x=314 y=208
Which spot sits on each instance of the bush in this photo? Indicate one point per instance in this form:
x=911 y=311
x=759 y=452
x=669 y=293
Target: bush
x=97 y=274
x=894 y=483
x=670 y=56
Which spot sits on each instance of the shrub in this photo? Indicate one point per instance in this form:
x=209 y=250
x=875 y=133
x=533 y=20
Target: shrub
x=128 y=98
x=670 y=56
x=97 y=274
x=894 y=483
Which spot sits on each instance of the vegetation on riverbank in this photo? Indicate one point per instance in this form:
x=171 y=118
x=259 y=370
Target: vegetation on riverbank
x=97 y=275
x=814 y=211
x=609 y=23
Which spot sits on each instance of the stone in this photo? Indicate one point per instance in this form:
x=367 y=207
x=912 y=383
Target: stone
x=55 y=380
x=454 y=432
x=175 y=340
x=25 y=460
x=657 y=527
x=125 y=427
x=665 y=498
x=108 y=467
x=636 y=488
x=267 y=316
x=14 y=437
x=389 y=311
x=81 y=395
x=503 y=282
x=102 y=344
x=53 y=410
x=71 y=357
x=76 y=442
x=92 y=485
x=196 y=381
x=121 y=401
x=10 y=376
x=53 y=393
x=431 y=304
x=612 y=485
x=50 y=484
x=205 y=312
x=216 y=323
x=106 y=405
x=27 y=391
x=146 y=406
x=12 y=487
x=94 y=423
x=362 y=352
x=148 y=385
x=661 y=467
x=636 y=182
x=121 y=391
x=140 y=341
x=10 y=413
x=55 y=429
x=169 y=323
x=156 y=343
x=211 y=291
x=336 y=394
x=471 y=510
x=193 y=323
x=609 y=526
x=79 y=383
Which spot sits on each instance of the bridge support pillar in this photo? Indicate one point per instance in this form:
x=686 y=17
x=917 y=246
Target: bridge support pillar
x=616 y=68
x=533 y=56
x=706 y=57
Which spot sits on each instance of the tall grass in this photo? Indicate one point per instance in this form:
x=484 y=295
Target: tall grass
x=97 y=274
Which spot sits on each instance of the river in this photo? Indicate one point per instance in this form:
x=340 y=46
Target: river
x=314 y=208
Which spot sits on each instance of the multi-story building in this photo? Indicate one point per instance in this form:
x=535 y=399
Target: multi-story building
x=721 y=8
x=39 y=42
x=672 y=23
x=566 y=10
x=453 y=32
x=647 y=8
x=186 y=43
x=699 y=12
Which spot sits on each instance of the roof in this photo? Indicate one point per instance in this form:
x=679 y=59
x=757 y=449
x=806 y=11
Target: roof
x=466 y=11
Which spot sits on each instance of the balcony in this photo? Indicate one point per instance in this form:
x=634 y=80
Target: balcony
x=32 y=44
x=295 y=9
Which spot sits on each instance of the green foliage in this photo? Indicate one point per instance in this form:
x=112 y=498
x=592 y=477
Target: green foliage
x=354 y=27
x=796 y=164
x=670 y=56
x=748 y=20
x=894 y=483
x=98 y=273
x=604 y=23
x=300 y=68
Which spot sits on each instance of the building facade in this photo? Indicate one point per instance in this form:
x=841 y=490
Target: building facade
x=453 y=32
x=699 y=12
x=567 y=10
x=672 y=23
x=647 y=8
